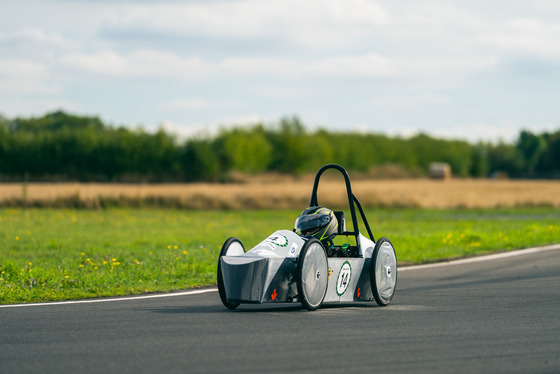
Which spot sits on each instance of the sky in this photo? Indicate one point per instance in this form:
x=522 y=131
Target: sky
x=474 y=70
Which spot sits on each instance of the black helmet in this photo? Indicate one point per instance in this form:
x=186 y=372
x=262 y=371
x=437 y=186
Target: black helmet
x=319 y=222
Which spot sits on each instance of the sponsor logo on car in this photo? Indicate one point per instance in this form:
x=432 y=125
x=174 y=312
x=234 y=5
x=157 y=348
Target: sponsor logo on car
x=293 y=249
x=279 y=240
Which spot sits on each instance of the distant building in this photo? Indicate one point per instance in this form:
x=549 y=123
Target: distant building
x=440 y=170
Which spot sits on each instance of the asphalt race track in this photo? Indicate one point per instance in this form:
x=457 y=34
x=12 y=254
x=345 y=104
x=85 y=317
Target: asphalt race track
x=493 y=316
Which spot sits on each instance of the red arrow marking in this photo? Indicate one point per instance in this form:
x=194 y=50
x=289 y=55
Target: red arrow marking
x=274 y=294
x=358 y=293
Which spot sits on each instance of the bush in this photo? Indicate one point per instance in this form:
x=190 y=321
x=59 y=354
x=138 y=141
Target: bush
x=61 y=146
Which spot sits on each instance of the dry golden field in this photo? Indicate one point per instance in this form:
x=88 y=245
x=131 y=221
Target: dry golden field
x=288 y=194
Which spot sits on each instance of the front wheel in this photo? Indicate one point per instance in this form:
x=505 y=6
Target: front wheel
x=312 y=274
x=383 y=271
x=231 y=247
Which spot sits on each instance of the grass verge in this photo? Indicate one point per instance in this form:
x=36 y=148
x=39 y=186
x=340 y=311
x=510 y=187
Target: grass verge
x=51 y=254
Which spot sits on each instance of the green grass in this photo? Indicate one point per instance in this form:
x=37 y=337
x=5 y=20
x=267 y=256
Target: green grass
x=49 y=254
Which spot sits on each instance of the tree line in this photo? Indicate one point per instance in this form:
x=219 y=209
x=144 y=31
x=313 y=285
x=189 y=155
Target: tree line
x=64 y=147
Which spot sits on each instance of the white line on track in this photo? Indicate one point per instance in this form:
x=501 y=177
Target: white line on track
x=196 y=292
x=482 y=258
x=156 y=296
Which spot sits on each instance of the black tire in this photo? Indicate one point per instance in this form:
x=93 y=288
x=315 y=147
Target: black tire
x=383 y=271
x=312 y=274
x=232 y=244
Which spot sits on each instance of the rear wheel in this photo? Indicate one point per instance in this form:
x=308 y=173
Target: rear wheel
x=312 y=275
x=383 y=271
x=231 y=247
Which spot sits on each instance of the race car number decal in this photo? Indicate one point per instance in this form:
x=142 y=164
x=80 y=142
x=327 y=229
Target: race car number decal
x=343 y=279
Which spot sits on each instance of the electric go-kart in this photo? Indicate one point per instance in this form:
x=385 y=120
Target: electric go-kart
x=305 y=265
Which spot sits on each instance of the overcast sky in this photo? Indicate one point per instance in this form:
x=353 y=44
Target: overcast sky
x=474 y=69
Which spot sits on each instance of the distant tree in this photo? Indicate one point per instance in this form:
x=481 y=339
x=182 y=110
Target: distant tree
x=56 y=121
x=62 y=146
x=288 y=145
x=479 y=165
x=548 y=163
x=156 y=155
x=506 y=158
x=248 y=148
x=201 y=162
x=356 y=151
x=318 y=150
x=531 y=147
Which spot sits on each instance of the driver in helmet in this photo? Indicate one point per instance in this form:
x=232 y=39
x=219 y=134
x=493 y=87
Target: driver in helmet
x=318 y=222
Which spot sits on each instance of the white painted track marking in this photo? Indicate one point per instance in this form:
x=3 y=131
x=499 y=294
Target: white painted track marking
x=497 y=256
x=196 y=292
x=90 y=301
